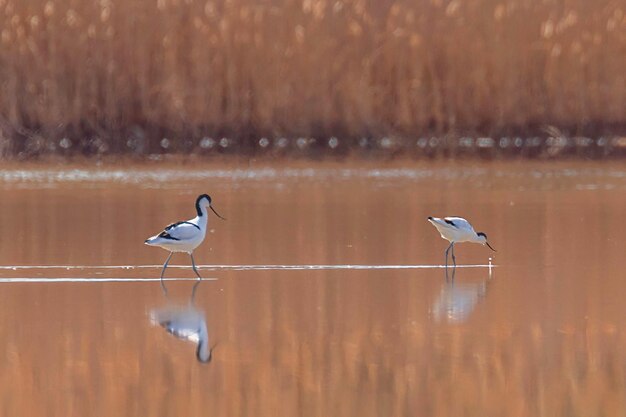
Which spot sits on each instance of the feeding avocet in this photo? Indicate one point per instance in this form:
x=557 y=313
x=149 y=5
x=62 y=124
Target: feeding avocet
x=185 y=236
x=457 y=229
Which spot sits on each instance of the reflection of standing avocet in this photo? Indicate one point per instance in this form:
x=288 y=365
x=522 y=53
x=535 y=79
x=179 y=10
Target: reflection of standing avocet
x=184 y=236
x=185 y=322
x=457 y=229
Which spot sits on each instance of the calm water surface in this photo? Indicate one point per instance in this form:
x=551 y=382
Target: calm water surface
x=543 y=335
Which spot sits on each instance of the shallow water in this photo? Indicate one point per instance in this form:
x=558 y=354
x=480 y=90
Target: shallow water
x=329 y=297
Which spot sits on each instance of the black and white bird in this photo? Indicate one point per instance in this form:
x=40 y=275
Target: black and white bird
x=185 y=236
x=456 y=230
x=185 y=323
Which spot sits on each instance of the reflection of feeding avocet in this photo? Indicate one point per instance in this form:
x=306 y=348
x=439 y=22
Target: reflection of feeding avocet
x=185 y=322
x=457 y=300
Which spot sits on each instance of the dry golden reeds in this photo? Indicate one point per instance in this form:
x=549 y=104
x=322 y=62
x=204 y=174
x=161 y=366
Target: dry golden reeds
x=246 y=68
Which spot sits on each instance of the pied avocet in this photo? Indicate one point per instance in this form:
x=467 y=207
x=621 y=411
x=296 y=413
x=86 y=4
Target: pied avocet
x=184 y=236
x=455 y=230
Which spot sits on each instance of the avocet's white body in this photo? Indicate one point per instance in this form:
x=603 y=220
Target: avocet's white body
x=455 y=230
x=184 y=236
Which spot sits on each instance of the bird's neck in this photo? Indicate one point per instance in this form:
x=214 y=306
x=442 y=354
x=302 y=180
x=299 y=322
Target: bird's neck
x=201 y=220
x=201 y=211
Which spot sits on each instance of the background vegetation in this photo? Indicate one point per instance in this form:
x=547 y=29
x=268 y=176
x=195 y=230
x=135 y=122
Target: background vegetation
x=109 y=76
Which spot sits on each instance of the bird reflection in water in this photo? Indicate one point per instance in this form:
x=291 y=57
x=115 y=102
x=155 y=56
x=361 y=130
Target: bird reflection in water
x=457 y=300
x=185 y=322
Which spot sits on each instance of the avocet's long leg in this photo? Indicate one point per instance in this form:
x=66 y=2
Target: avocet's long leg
x=163 y=272
x=447 y=250
x=193 y=264
x=453 y=257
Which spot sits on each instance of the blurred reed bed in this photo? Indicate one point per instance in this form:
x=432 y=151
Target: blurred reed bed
x=238 y=75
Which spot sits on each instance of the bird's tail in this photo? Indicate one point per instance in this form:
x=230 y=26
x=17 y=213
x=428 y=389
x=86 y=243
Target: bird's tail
x=151 y=240
x=436 y=220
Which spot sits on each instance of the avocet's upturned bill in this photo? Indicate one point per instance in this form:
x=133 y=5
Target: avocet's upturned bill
x=455 y=230
x=185 y=236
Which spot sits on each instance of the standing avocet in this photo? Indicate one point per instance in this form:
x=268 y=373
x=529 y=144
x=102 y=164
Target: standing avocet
x=457 y=229
x=185 y=236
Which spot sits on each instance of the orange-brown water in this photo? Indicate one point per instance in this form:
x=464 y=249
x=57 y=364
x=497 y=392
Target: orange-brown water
x=543 y=335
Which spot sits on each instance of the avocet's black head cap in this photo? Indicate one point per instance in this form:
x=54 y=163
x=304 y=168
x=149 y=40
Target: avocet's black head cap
x=199 y=199
x=208 y=198
x=486 y=243
x=201 y=196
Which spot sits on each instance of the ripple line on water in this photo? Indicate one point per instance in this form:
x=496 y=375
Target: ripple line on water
x=239 y=267
x=92 y=280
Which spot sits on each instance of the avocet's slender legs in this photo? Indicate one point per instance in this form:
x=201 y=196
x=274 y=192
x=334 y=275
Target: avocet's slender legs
x=163 y=272
x=193 y=264
x=453 y=257
x=451 y=246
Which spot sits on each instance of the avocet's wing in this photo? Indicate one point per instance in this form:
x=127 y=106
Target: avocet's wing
x=180 y=231
x=443 y=223
x=458 y=223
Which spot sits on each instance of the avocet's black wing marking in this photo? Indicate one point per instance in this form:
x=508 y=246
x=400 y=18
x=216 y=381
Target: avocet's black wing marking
x=450 y=222
x=459 y=223
x=180 y=231
x=173 y=225
x=166 y=235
